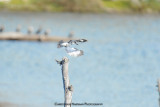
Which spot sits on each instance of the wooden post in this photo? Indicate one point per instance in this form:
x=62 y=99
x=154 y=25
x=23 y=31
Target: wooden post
x=68 y=89
x=158 y=85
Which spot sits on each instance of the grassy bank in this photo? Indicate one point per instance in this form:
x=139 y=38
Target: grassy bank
x=52 y=5
x=81 y=6
x=151 y=6
x=31 y=5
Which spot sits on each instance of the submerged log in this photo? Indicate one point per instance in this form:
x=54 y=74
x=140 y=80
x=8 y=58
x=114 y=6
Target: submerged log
x=22 y=37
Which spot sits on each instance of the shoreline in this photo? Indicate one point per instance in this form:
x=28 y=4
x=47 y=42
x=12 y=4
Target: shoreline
x=68 y=12
x=99 y=7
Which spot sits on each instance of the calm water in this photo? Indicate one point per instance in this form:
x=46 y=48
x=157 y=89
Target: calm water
x=120 y=66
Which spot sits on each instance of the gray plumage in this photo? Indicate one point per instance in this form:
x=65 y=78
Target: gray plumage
x=30 y=30
x=62 y=44
x=1 y=28
x=71 y=34
x=72 y=42
x=46 y=33
x=39 y=30
x=77 y=41
x=18 y=29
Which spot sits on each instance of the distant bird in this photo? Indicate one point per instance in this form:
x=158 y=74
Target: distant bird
x=47 y=32
x=71 y=34
x=18 y=29
x=30 y=30
x=1 y=28
x=39 y=30
x=70 y=50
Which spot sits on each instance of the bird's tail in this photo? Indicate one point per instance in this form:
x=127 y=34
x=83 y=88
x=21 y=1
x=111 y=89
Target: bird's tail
x=70 y=42
x=81 y=53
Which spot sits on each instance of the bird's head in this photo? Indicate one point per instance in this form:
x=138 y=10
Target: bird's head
x=65 y=44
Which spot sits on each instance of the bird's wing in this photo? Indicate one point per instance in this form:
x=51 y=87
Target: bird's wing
x=84 y=40
x=81 y=40
x=70 y=41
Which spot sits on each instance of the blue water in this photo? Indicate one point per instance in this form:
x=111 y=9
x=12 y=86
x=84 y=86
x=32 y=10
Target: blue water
x=120 y=66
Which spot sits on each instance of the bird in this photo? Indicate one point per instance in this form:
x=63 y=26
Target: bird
x=1 y=28
x=71 y=34
x=46 y=33
x=39 y=30
x=70 y=50
x=30 y=30
x=62 y=44
x=18 y=29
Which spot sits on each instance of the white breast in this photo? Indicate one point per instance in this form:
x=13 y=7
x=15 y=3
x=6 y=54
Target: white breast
x=74 y=52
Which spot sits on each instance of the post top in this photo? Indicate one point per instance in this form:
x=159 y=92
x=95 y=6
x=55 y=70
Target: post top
x=65 y=59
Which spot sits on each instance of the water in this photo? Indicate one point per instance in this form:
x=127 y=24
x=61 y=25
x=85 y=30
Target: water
x=120 y=66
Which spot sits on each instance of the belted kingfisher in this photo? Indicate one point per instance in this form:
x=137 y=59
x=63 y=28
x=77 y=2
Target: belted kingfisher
x=70 y=50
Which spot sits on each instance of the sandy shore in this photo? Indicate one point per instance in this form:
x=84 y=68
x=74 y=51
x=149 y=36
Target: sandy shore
x=7 y=104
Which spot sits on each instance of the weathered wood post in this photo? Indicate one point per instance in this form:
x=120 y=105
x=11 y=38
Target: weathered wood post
x=158 y=85
x=68 y=89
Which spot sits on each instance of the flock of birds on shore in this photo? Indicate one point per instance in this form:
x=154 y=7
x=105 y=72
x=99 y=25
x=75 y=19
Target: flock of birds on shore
x=30 y=31
x=70 y=50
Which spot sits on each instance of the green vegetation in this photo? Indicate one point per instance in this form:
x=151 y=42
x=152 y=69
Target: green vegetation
x=82 y=5
x=119 y=5
x=128 y=6
x=31 y=5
